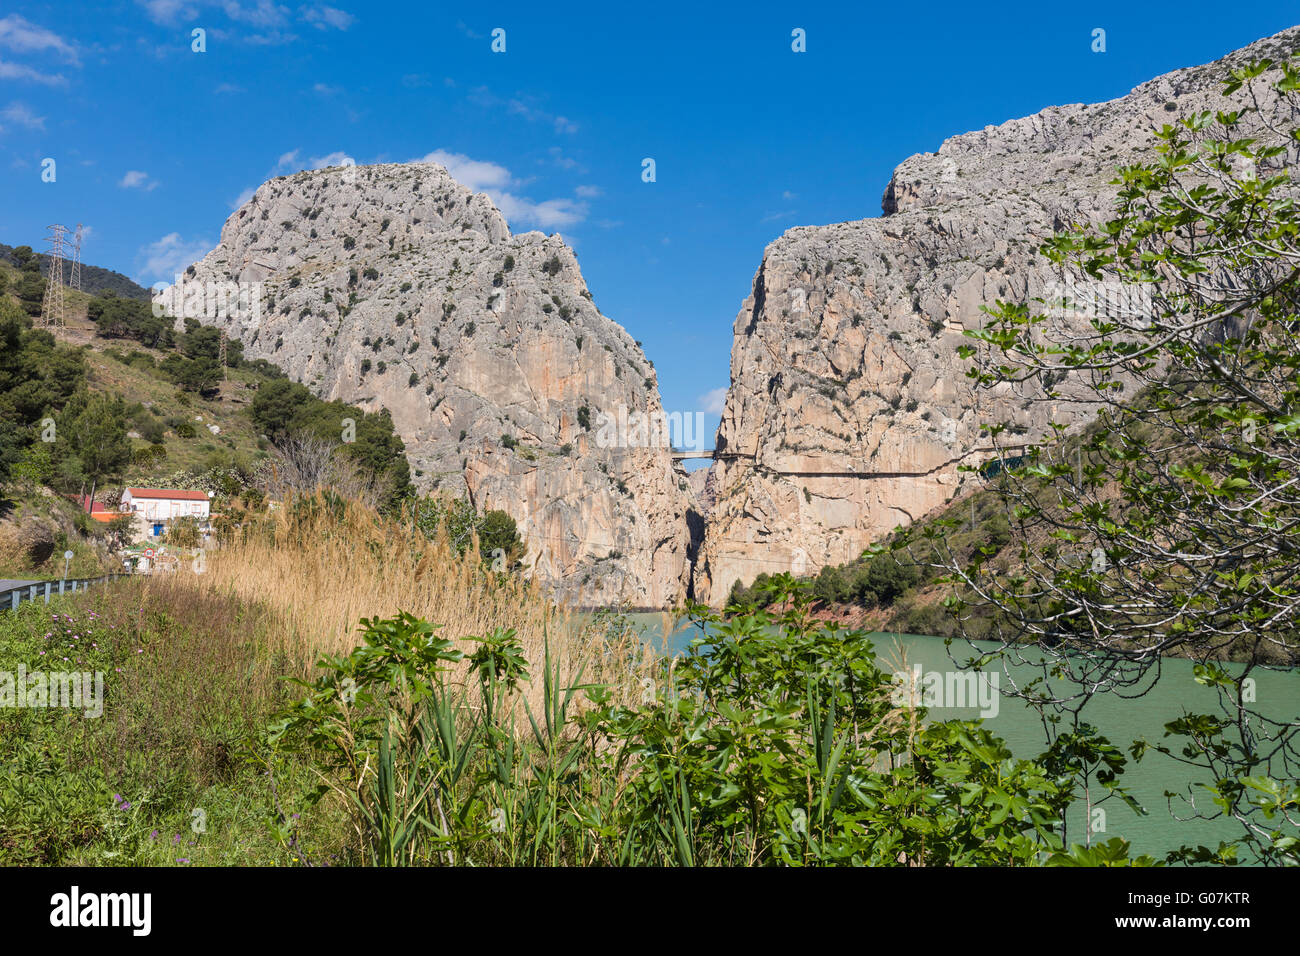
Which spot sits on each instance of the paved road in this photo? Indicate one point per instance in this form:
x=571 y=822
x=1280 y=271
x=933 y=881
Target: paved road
x=7 y=583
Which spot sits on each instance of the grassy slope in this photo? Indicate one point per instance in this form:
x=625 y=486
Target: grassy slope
x=136 y=384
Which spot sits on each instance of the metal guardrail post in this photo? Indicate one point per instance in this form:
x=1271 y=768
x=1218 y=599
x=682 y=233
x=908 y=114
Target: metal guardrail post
x=13 y=600
x=47 y=592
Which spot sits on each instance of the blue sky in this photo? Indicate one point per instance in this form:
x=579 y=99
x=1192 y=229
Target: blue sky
x=155 y=144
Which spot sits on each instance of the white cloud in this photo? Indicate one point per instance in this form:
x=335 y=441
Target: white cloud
x=474 y=174
x=547 y=214
x=564 y=162
x=495 y=180
x=336 y=158
x=262 y=13
x=713 y=401
x=23 y=36
x=324 y=89
x=169 y=256
x=138 y=179
x=17 y=113
x=324 y=17
x=292 y=162
x=17 y=71
x=589 y=192
x=789 y=195
x=243 y=197
x=168 y=11
x=229 y=88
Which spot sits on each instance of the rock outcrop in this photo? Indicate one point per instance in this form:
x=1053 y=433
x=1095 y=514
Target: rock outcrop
x=394 y=286
x=849 y=413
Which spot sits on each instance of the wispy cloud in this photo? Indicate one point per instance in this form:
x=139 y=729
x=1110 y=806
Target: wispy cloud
x=169 y=256
x=273 y=22
x=293 y=162
x=23 y=36
x=168 y=12
x=533 y=114
x=497 y=182
x=523 y=107
x=713 y=401
x=223 y=88
x=17 y=71
x=18 y=114
x=336 y=158
x=138 y=179
x=323 y=18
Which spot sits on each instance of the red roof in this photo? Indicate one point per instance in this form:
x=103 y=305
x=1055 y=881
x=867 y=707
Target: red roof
x=163 y=493
x=97 y=508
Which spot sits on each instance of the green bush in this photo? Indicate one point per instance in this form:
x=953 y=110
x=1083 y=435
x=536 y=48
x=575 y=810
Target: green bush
x=778 y=744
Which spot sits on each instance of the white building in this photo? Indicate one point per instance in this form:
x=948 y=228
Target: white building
x=156 y=508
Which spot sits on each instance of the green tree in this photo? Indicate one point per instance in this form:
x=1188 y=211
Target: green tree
x=499 y=537
x=37 y=377
x=93 y=431
x=1175 y=518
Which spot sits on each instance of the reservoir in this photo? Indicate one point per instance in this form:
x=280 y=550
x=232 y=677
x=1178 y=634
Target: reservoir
x=1119 y=719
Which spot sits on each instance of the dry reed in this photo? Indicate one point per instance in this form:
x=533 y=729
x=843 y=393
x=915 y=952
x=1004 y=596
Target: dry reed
x=325 y=563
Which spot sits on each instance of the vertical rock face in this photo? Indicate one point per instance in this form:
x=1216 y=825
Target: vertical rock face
x=849 y=412
x=393 y=286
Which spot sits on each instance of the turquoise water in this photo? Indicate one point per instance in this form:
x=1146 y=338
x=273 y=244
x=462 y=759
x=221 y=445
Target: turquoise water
x=1121 y=720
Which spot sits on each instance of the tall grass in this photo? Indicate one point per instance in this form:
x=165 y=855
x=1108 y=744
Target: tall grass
x=161 y=777
x=324 y=563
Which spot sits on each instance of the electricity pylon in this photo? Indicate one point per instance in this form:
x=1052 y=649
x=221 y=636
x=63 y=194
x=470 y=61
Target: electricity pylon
x=53 y=315
x=76 y=261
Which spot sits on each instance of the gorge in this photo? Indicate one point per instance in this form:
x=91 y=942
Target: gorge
x=848 y=411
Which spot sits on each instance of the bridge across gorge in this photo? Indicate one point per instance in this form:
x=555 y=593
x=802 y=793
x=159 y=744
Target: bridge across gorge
x=1007 y=451
x=707 y=453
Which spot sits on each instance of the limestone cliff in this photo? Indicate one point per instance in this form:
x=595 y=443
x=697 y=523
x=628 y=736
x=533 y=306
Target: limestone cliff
x=849 y=412
x=394 y=286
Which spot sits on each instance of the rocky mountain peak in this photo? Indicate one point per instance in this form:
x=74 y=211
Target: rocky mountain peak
x=394 y=286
